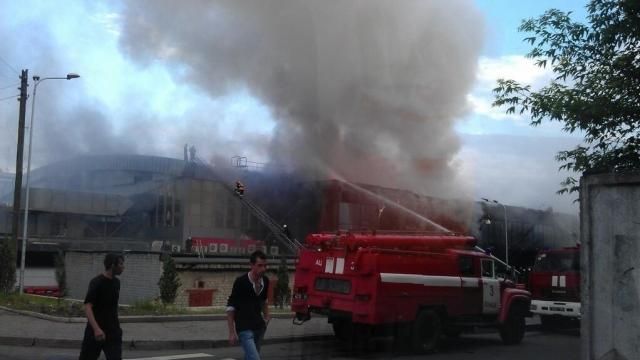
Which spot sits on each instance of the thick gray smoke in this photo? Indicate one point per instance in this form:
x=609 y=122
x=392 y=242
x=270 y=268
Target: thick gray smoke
x=364 y=89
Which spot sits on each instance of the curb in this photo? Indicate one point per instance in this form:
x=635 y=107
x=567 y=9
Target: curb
x=137 y=318
x=203 y=344
x=151 y=344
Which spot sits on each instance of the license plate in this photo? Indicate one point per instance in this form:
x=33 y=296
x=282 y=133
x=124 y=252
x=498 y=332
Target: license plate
x=556 y=308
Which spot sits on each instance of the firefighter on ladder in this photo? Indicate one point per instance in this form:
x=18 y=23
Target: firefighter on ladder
x=239 y=188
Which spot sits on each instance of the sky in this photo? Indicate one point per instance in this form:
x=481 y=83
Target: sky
x=392 y=93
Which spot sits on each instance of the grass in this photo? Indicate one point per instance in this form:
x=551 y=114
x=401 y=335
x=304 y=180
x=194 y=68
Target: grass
x=41 y=304
x=68 y=308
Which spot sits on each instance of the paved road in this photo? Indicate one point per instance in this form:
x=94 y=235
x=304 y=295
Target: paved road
x=536 y=345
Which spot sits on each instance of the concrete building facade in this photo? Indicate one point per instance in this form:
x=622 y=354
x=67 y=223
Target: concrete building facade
x=610 y=266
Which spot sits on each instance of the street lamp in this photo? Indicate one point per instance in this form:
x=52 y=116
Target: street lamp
x=506 y=233
x=37 y=80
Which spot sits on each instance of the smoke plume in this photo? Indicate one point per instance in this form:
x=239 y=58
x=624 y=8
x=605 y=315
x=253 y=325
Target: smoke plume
x=368 y=90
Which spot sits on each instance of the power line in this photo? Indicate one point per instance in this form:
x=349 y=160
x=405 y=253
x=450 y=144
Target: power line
x=10 y=67
x=9 y=97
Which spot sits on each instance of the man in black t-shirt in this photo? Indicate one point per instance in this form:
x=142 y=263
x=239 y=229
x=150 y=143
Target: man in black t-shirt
x=248 y=308
x=103 y=331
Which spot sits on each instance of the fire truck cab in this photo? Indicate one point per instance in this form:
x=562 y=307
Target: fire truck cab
x=415 y=287
x=554 y=282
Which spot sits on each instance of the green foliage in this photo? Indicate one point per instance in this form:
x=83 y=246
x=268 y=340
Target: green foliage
x=282 y=293
x=61 y=274
x=7 y=268
x=169 y=281
x=42 y=304
x=152 y=307
x=594 y=91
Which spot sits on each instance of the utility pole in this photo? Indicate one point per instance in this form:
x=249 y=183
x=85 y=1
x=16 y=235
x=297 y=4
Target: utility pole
x=17 y=192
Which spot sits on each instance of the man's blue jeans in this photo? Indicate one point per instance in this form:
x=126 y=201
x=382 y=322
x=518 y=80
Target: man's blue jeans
x=250 y=342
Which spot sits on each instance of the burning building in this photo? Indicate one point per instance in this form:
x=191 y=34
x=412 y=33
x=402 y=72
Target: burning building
x=134 y=202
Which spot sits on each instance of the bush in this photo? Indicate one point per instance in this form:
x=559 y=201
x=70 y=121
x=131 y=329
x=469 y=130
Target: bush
x=282 y=293
x=169 y=281
x=7 y=268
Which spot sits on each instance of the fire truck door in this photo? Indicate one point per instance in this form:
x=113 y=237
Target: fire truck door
x=471 y=289
x=490 y=288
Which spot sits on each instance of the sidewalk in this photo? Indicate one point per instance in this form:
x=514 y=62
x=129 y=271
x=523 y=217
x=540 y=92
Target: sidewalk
x=156 y=333
x=23 y=330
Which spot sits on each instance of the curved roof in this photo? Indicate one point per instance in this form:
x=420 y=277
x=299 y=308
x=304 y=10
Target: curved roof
x=100 y=172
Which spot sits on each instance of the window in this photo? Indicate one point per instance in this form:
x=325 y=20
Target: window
x=333 y=285
x=487 y=268
x=558 y=261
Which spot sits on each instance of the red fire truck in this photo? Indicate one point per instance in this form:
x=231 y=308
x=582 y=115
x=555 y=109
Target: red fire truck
x=555 y=286
x=415 y=287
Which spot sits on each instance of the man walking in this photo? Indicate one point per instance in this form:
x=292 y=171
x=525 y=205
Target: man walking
x=248 y=308
x=103 y=331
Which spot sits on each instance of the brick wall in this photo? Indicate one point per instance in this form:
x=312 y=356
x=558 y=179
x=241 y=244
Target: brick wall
x=219 y=280
x=139 y=281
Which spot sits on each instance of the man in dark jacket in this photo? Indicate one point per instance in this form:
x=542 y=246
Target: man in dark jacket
x=103 y=332
x=248 y=308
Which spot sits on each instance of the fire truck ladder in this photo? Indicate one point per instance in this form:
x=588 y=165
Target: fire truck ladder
x=274 y=227
x=509 y=267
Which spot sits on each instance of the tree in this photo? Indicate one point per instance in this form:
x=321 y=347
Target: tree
x=594 y=91
x=169 y=281
x=7 y=268
x=282 y=293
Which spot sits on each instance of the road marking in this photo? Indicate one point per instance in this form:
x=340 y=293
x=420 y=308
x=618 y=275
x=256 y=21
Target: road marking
x=175 y=357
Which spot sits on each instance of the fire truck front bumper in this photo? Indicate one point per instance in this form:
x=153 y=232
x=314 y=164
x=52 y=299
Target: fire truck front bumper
x=562 y=308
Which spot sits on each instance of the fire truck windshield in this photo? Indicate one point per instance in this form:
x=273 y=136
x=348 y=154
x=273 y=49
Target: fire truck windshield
x=558 y=261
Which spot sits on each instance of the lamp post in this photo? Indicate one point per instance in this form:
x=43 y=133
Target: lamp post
x=37 y=80
x=506 y=233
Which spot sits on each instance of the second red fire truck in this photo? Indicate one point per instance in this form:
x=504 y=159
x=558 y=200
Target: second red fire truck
x=554 y=282
x=415 y=287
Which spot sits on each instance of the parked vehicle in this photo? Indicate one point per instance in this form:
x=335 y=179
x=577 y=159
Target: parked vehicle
x=554 y=283
x=417 y=287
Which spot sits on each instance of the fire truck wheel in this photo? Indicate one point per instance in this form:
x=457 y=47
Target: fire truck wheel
x=512 y=331
x=427 y=330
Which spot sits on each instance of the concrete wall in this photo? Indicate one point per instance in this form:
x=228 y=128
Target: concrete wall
x=610 y=234
x=39 y=276
x=139 y=281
